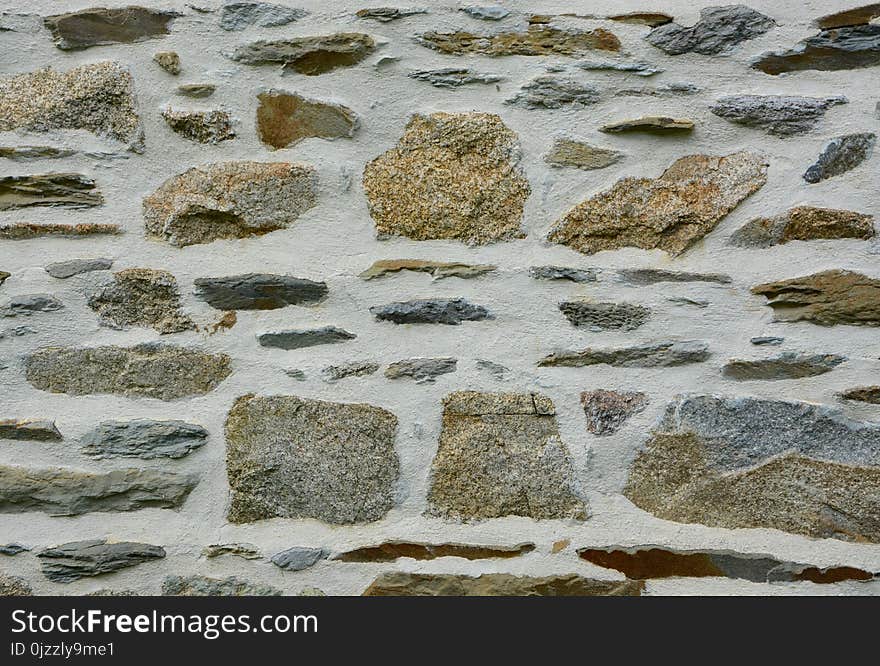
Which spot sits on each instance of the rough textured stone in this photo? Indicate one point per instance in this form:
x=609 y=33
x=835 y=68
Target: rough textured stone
x=437 y=269
x=299 y=558
x=497 y=370
x=95 y=27
x=62 y=270
x=390 y=551
x=200 y=126
x=141 y=297
x=285 y=119
x=290 y=457
x=500 y=454
x=645 y=276
x=765 y=340
x=537 y=40
x=145 y=439
x=849 y=17
x=486 y=12
x=550 y=92
x=196 y=90
x=334 y=373
x=13 y=586
x=788 y=365
x=259 y=291
x=607 y=411
x=245 y=551
x=305 y=338
x=842 y=154
x=775 y=114
x=12 y=549
x=718 y=31
x=431 y=311
x=803 y=223
x=229 y=200
x=869 y=394
x=28 y=304
x=453 y=77
x=26 y=230
x=67 y=492
x=204 y=586
x=653 y=124
x=240 y=15
x=605 y=316
x=387 y=14
x=400 y=584
x=422 y=370
x=169 y=61
x=637 y=68
x=651 y=19
x=829 y=50
x=568 y=153
x=24 y=153
x=308 y=55
x=669 y=213
x=564 y=273
x=650 y=355
x=826 y=298
x=146 y=370
x=477 y=191
x=81 y=559
x=665 y=90
x=71 y=190
x=30 y=430
x=748 y=462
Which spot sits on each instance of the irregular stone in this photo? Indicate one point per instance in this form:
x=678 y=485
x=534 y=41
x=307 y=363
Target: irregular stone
x=245 y=551
x=259 y=291
x=285 y=119
x=637 y=68
x=782 y=115
x=72 y=190
x=147 y=370
x=387 y=14
x=308 y=55
x=803 y=223
x=431 y=311
x=204 y=586
x=22 y=153
x=788 y=365
x=842 y=154
x=669 y=213
x=453 y=77
x=26 y=230
x=305 y=338
x=334 y=373
x=81 y=559
x=98 y=98
x=196 y=90
x=767 y=340
x=749 y=462
x=829 y=50
x=665 y=90
x=826 y=298
x=607 y=411
x=497 y=370
x=226 y=321
x=3 y=276
x=486 y=12
x=683 y=300
x=240 y=15
x=568 y=153
x=537 y=40
x=229 y=200
x=549 y=92
x=141 y=297
x=477 y=191
x=564 y=273
x=12 y=549
x=13 y=586
x=645 y=276
x=200 y=126
x=62 y=270
x=644 y=563
x=30 y=430
x=500 y=454
x=849 y=17
x=423 y=370
x=28 y=304
x=290 y=457
x=95 y=27
x=169 y=61
x=390 y=551
x=437 y=269
x=66 y=492
x=651 y=19
x=143 y=438
x=105 y=592
x=718 y=31
x=662 y=124
x=401 y=584
x=605 y=316
x=299 y=558
x=649 y=355
x=869 y=394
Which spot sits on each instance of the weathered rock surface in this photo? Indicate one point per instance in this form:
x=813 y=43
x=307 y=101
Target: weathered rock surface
x=477 y=191
x=196 y=90
x=453 y=77
x=71 y=190
x=241 y=15
x=788 y=365
x=537 y=40
x=664 y=90
x=637 y=68
x=285 y=119
x=26 y=230
x=25 y=153
x=169 y=61
x=245 y=551
x=28 y=304
x=826 y=298
x=80 y=559
x=141 y=297
x=842 y=154
x=12 y=549
x=650 y=355
x=305 y=338
x=200 y=126
x=143 y=438
x=605 y=316
x=869 y=394
x=486 y=12
x=849 y=17
x=829 y=50
x=431 y=311
x=62 y=270
x=748 y=462
x=564 y=273
x=146 y=370
x=765 y=340
x=204 y=586
x=645 y=276
x=568 y=153
x=803 y=223
x=497 y=585
x=334 y=373
x=422 y=370
x=29 y=430
x=500 y=454
x=387 y=14
x=299 y=558
x=775 y=114
x=437 y=269
x=607 y=411
x=390 y=551
x=290 y=457
x=718 y=31
x=13 y=586
x=259 y=291
x=308 y=55
x=67 y=492
x=669 y=213
x=95 y=27
x=652 y=124
x=229 y=200
x=550 y=92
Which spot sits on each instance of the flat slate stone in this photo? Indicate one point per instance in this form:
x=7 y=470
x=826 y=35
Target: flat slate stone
x=550 y=92
x=390 y=551
x=308 y=55
x=564 y=273
x=422 y=370
x=71 y=190
x=568 y=153
x=431 y=311
x=605 y=316
x=401 y=584
x=326 y=335
x=143 y=438
x=334 y=373
x=765 y=340
x=842 y=48
x=196 y=90
x=62 y=270
x=803 y=223
x=81 y=559
x=245 y=551
x=13 y=549
x=27 y=230
x=849 y=17
x=650 y=124
x=781 y=115
x=842 y=154
x=299 y=558
x=718 y=31
x=437 y=269
x=645 y=276
x=285 y=119
x=241 y=15
x=788 y=365
x=388 y=14
x=454 y=77
x=204 y=586
x=95 y=27
x=28 y=304
x=259 y=291
x=607 y=411
x=649 y=355
x=30 y=430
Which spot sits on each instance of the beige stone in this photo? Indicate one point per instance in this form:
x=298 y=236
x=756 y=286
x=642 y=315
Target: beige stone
x=568 y=153
x=285 y=119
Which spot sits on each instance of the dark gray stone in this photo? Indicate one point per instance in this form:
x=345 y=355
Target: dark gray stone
x=431 y=311
x=66 y=269
x=664 y=90
x=643 y=276
x=454 y=77
x=842 y=154
x=423 y=370
x=29 y=430
x=765 y=340
x=605 y=316
x=28 y=304
x=305 y=338
x=718 y=30
x=549 y=92
x=387 y=14
x=830 y=50
x=94 y=27
x=144 y=439
x=637 y=68
x=564 y=273
x=651 y=355
x=776 y=114
x=788 y=365
x=12 y=549
x=308 y=55
x=71 y=190
x=81 y=559
x=299 y=558
x=241 y=15
x=259 y=291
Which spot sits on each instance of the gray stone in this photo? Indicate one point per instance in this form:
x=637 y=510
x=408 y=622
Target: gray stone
x=196 y=90
x=241 y=15
x=437 y=269
x=387 y=14
x=486 y=12
x=605 y=316
x=28 y=304
x=71 y=190
x=645 y=276
x=431 y=311
x=403 y=584
x=200 y=126
x=141 y=297
x=454 y=77
x=830 y=50
x=245 y=551
x=308 y=55
x=62 y=270
x=290 y=457
x=29 y=430
x=259 y=291
x=637 y=68
x=649 y=355
x=305 y=338
x=299 y=558
x=776 y=114
x=143 y=438
x=650 y=124
x=684 y=300
x=842 y=154
x=549 y=92
x=334 y=373
x=803 y=223
x=13 y=586
x=204 y=586
x=765 y=340
x=497 y=370
x=66 y=492
x=95 y=27
x=423 y=370
x=169 y=61
x=568 y=153
x=788 y=365
x=665 y=90
x=718 y=31
x=81 y=559
x=607 y=411
x=564 y=273
x=12 y=549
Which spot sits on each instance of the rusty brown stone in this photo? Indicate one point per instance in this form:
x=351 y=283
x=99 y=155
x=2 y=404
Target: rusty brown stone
x=285 y=119
x=390 y=551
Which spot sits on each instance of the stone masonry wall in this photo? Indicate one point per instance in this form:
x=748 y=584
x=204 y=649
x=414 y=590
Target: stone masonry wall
x=542 y=298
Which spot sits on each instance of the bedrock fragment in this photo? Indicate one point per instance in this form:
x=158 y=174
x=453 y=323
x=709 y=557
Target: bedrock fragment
x=259 y=291
x=143 y=438
x=749 y=462
x=28 y=304
x=29 y=430
x=454 y=77
x=390 y=551
x=848 y=47
x=291 y=457
x=285 y=119
x=782 y=115
x=788 y=365
x=298 y=558
x=205 y=586
x=803 y=223
x=540 y=39
x=80 y=559
x=61 y=270
x=500 y=454
x=402 y=584
x=605 y=316
x=564 y=273
x=71 y=190
x=842 y=154
x=648 y=355
x=141 y=297
x=308 y=55
x=607 y=411
x=431 y=311
x=98 y=26
x=719 y=30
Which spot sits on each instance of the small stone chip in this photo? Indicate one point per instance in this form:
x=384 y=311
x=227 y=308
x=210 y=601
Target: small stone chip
x=169 y=61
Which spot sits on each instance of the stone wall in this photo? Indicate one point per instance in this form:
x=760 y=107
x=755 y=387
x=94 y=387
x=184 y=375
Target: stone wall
x=554 y=298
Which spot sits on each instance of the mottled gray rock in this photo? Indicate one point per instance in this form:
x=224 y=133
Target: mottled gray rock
x=437 y=269
x=564 y=273
x=305 y=338
x=241 y=15
x=387 y=14
x=204 y=586
x=169 y=61
x=607 y=411
x=788 y=365
x=290 y=457
x=782 y=115
x=649 y=355
x=95 y=27
x=143 y=438
x=637 y=68
x=81 y=559
x=12 y=549
x=497 y=370
x=644 y=276
x=605 y=316
x=196 y=90
x=803 y=223
x=842 y=154
x=718 y=30
x=245 y=551
x=403 y=584
x=550 y=92
x=141 y=297
x=431 y=311
x=486 y=12
x=334 y=373
x=869 y=394
x=28 y=304
x=308 y=55
x=453 y=77
x=71 y=190
x=200 y=126
x=423 y=370
x=298 y=558
x=67 y=492
x=568 y=153
x=29 y=430
x=830 y=50
x=17 y=332
x=13 y=586
x=664 y=90
x=765 y=340
x=66 y=269
x=259 y=291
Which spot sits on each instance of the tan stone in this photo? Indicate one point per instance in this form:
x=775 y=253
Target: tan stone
x=657 y=124
x=539 y=39
x=803 y=223
x=141 y=297
x=285 y=119
x=27 y=230
x=437 y=269
x=568 y=153
x=403 y=584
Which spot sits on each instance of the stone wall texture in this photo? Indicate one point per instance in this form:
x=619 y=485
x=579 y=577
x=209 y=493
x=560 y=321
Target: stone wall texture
x=525 y=298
